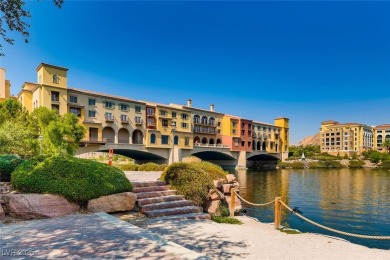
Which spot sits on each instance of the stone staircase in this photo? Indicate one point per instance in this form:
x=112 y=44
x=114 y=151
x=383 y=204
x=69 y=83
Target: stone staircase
x=156 y=200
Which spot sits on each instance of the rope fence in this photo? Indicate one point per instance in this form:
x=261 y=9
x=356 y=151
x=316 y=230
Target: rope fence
x=278 y=216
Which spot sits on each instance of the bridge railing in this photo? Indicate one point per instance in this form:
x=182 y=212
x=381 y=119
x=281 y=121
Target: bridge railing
x=213 y=145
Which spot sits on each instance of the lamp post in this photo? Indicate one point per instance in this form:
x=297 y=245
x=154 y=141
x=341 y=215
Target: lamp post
x=40 y=144
x=173 y=127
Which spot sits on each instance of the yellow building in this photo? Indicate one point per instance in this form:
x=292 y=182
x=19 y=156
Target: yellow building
x=381 y=133
x=345 y=139
x=170 y=122
x=284 y=124
x=5 y=86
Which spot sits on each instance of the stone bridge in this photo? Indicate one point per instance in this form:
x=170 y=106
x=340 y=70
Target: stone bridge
x=220 y=155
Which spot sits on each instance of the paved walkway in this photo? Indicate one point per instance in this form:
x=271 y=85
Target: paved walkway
x=142 y=176
x=82 y=236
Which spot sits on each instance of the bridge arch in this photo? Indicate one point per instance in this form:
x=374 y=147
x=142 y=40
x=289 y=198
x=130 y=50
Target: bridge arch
x=108 y=134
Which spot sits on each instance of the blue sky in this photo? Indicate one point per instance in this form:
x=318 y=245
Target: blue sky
x=309 y=60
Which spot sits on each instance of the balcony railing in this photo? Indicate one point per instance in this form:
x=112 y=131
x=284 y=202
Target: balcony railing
x=151 y=123
x=124 y=120
x=213 y=124
x=213 y=145
x=209 y=131
x=138 y=121
x=151 y=113
x=109 y=118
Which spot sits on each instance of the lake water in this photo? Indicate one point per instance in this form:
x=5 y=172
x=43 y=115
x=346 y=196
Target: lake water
x=351 y=200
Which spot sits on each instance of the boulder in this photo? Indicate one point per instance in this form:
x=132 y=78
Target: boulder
x=2 y=213
x=217 y=183
x=215 y=194
x=113 y=203
x=230 y=178
x=237 y=205
x=31 y=206
x=212 y=207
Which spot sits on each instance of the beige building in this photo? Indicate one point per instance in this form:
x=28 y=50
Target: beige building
x=345 y=139
x=381 y=133
x=5 y=86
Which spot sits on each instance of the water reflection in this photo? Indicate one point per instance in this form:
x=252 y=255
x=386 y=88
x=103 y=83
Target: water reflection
x=352 y=200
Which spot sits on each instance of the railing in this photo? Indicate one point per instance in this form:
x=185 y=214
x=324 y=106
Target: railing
x=213 y=145
x=109 y=140
x=138 y=121
x=125 y=120
x=110 y=118
x=278 y=215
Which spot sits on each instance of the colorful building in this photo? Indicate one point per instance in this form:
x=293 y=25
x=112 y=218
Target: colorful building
x=5 y=86
x=113 y=119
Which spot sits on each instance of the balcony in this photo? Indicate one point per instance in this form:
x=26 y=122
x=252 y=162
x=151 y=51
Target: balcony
x=125 y=120
x=138 y=121
x=150 y=114
x=109 y=119
x=212 y=145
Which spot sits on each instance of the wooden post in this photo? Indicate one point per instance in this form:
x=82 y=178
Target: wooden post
x=278 y=213
x=110 y=153
x=232 y=202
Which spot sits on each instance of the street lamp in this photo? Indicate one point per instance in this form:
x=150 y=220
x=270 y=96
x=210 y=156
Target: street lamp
x=173 y=127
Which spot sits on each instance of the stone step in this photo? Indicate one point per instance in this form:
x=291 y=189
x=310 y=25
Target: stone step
x=143 y=202
x=166 y=205
x=196 y=216
x=152 y=194
x=148 y=183
x=150 y=188
x=172 y=211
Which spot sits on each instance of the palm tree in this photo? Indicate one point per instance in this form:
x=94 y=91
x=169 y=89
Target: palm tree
x=386 y=145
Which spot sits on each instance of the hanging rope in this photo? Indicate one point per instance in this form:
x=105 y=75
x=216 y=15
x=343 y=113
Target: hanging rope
x=253 y=204
x=334 y=230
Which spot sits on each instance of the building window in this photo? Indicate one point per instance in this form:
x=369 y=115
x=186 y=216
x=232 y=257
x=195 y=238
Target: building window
x=91 y=101
x=73 y=99
x=76 y=111
x=234 y=131
x=138 y=120
x=235 y=141
x=187 y=141
x=234 y=124
x=55 y=79
x=151 y=121
x=219 y=123
x=150 y=111
x=91 y=113
x=164 y=139
x=163 y=113
x=55 y=96
x=249 y=144
x=124 y=118
x=242 y=143
x=109 y=104
x=196 y=119
x=165 y=122
x=184 y=116
x=137 y=109
x=56 y=108
x=124 y=107
x=176 y=140
x=184 y=125
x=173 y=114
x=152 y=138
x=204 y=120
x=109 y=116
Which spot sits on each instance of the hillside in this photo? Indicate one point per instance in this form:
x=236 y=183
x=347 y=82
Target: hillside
x=311 y=140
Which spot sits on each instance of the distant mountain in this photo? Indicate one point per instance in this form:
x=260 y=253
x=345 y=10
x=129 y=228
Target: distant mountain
x=311 y=140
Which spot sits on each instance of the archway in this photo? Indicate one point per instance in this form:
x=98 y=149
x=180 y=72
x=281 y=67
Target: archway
x=108 y=135
x=258 y=145
x=204 y=140
x=211 y=141
x=264 y=146
x=218 y=141
x=123 y=136
x=137 y=137
x=196 y=140
x=254 y=146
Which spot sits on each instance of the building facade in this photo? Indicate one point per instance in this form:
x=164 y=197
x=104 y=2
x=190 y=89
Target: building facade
x=113 y=119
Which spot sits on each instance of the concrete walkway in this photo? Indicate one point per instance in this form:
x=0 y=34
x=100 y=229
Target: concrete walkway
x=82 y=236
x=142 y=176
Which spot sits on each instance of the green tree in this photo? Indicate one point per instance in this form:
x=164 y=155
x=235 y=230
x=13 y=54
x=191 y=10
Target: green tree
x=386 y=145
x=14 y=16
x=12 y=110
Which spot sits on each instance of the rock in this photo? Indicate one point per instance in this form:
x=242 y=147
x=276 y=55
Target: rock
x=226 y=188
x=217 y=183
x=212 y=207
x=30 y=206
x=237 y=205
x=113 y=203
x=216 y=195
x=2 y=213
x=230 y=178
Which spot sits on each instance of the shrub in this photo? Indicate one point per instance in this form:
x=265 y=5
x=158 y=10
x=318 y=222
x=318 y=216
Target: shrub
x=316 y=165
x=225 y=220
x=76 y=179
x=283 y=165
x=8 y=164
x=162 y=167
x=147 y=167
x=385 y=164
x=333 y=164
x=215 y=171
x=297 y=165
x=188 y=180
x=129 y=167
x=356 y=164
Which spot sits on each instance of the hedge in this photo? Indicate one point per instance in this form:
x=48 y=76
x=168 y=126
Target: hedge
x=149 y=167
x=8 y=163
x=355 y=164
x=215 y=171
x=188 y=180
x=129 y=167
x=76 y=179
